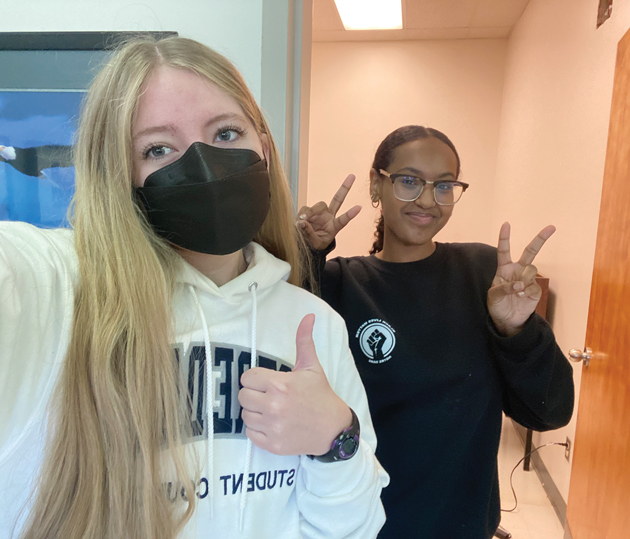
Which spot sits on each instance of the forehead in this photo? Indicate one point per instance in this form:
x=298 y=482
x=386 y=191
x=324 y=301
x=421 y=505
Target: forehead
x=429 y=155
x=179 y=95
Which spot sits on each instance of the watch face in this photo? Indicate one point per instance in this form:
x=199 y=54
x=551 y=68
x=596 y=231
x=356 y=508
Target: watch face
x=349 y=447
x=345 y=445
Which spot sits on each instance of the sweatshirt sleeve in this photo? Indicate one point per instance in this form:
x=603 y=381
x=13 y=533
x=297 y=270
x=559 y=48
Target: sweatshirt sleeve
x=537 y=378
x=342 y=499
x=35 y=307
x=313 y=281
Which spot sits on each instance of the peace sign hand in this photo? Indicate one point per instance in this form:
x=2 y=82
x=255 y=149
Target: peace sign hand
x=319 y=223
x=514 y=293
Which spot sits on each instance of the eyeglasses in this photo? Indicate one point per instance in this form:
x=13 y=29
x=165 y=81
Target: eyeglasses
x=408 y=188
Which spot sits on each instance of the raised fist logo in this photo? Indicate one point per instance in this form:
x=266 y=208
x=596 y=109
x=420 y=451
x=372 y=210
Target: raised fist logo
x=375 y=341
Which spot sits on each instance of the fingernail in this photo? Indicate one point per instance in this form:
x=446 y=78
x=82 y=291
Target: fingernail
x=520 y=294
x=519 y=286
x=303 y=216
x=302 y=224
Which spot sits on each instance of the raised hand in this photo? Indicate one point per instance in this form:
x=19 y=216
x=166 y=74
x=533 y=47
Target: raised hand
x=293 y=413
x=320 y=223
x=376 y=341
x=514 y=293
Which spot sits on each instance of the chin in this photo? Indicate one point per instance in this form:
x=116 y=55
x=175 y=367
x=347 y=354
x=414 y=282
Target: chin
x=415 y=240
x=422 y=235
x=416 y=236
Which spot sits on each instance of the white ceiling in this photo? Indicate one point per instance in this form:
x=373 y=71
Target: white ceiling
x=427 y=19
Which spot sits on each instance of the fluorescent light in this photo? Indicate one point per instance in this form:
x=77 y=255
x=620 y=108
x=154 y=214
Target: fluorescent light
x=370 y=14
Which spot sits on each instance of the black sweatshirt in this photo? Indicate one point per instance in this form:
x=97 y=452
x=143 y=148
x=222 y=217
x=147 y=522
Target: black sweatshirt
x=437 y=376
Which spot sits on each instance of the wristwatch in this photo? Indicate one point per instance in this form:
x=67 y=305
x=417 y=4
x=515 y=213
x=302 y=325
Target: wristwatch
x=344 y=446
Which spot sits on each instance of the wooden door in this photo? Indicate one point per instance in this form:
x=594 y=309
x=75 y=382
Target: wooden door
x=599 y=497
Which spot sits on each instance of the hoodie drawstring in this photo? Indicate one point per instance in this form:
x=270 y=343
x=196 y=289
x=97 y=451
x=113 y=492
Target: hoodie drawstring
x=209 y=400
x=248 y=451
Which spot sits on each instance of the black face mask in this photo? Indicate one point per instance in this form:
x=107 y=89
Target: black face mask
x=211 y=200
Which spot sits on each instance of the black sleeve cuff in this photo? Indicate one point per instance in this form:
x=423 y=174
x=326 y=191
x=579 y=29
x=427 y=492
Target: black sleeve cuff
x=313 y=281
x=521 y=345
x=323 y=253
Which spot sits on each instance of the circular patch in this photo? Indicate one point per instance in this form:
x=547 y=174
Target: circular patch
x=377 y=340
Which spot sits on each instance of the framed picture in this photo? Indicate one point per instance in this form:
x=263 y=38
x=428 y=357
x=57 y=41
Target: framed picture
x=36 y=173
x=43 y=79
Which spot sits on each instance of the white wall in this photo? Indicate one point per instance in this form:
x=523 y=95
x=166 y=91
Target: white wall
x=554 y=129
x=361 y=91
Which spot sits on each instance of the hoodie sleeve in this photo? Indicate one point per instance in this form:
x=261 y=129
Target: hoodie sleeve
x=342 y=499
x=35 y=307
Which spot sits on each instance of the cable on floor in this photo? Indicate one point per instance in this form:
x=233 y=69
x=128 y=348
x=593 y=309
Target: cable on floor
x=563 y=444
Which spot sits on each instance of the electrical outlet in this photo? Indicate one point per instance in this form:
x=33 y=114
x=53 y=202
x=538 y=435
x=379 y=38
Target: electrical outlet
x=567 y=449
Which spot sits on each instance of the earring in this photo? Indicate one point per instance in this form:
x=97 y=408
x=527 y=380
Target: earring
x=375 y=201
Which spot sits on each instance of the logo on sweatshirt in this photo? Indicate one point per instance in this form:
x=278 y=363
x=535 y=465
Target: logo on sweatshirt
x=233 y=484
x=377 y=340
x=229 y=362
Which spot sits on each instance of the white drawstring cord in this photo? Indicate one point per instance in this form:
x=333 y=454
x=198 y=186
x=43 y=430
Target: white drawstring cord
x=253 y=363
x=209 y=400
x=252 y=288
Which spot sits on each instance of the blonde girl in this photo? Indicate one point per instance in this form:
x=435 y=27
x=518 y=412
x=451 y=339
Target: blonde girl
x=107 y=330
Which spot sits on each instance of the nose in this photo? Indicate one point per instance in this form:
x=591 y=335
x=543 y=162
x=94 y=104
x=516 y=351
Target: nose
x=426 y=199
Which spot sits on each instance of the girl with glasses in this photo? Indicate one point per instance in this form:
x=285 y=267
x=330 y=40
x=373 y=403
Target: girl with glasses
x=444 y=336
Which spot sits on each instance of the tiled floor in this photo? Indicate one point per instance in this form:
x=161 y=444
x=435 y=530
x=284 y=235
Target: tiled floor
x=534 y=518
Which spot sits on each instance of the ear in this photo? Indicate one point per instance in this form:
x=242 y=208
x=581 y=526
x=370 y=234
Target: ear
x=264 y=139
x=376 y=184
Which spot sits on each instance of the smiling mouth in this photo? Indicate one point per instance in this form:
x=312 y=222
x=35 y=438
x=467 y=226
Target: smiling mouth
x=421 y=218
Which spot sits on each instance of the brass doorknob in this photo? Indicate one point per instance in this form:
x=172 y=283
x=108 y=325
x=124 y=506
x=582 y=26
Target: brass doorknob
x=576 y=355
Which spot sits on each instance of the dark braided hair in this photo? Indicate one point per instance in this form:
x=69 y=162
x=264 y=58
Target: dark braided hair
x=385 y=155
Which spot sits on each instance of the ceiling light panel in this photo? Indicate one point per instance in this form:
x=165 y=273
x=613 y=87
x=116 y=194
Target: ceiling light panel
x=370 y=14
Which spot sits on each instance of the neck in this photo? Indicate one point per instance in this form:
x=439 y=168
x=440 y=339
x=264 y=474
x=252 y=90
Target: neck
x=394 y=251
x=220 y=269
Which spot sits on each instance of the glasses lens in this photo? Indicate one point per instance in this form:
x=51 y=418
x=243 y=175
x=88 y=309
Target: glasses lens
x=407 y=188
x=448 y=193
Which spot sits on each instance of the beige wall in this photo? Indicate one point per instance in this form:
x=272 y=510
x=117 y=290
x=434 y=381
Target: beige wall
x=554 y=128
x=530 y=119
x=362 y=91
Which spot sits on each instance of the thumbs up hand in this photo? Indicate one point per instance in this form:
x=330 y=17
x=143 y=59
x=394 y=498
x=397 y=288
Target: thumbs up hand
x=293 y=413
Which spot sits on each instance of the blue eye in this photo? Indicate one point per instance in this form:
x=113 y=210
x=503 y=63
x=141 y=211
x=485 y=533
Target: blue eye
x=229 y=134
x=157 y=152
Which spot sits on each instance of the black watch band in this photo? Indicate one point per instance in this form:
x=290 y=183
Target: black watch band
x=344 y=446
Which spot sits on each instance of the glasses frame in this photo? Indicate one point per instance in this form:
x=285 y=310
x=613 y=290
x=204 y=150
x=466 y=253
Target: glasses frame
x=424 y=182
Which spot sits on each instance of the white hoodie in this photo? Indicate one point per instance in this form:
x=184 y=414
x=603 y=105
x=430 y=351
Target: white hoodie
x=284 y=497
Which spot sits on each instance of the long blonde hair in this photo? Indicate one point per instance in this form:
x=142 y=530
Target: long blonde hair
x=116 y=411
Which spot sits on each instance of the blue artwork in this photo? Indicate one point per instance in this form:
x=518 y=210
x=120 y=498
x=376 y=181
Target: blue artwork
x=36 y=172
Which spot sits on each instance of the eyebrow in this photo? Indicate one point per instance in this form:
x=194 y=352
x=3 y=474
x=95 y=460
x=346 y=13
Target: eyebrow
x=171 y=129
x=420 y=174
